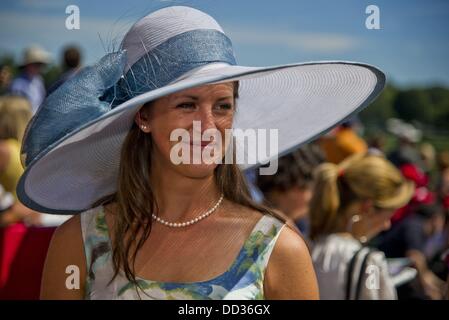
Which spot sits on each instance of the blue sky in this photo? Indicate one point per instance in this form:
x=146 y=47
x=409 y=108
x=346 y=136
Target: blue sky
x=412 y=46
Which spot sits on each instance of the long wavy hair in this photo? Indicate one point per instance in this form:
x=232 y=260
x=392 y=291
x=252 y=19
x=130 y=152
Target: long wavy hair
x=135 y=195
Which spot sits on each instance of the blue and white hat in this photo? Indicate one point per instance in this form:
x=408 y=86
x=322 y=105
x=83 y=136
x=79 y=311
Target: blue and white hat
x=71 y=149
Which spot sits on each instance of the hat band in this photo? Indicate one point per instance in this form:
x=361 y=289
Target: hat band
x=169 y=61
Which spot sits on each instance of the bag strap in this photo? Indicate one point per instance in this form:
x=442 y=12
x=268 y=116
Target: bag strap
x=349 y=273
x=362 y=272
x=352 y=271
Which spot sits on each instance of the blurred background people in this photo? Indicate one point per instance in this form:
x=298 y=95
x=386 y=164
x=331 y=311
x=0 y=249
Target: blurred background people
x=442 y=183
x=428 y=157
x=15 y=112
x=29 y=82
x=6 y=200
x=71 y=64
x=5 y=78
x=352 y=202
x=412 y=237
x=445 y=259
x=376 y=145
x=289 y=190
x=342 y=142
x=24 y=238
x=406 y=154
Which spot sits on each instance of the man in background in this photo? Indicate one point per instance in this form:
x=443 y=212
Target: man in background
x=29 y=82
x=71 y=63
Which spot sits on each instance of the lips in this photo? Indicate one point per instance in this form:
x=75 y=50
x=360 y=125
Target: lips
x=203 y=144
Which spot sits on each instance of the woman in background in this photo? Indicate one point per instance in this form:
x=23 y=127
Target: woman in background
x=15 y=112
x=353 y=202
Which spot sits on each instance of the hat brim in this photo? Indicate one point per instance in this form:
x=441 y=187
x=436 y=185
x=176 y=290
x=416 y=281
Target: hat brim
x=33 y=62
x=300 y=100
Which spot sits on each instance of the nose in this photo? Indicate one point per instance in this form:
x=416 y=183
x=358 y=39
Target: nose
x=387 y=224
x=206 y=116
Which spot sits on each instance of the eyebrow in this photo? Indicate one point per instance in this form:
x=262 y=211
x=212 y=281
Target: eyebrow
x=225 y=98
x=196 y=98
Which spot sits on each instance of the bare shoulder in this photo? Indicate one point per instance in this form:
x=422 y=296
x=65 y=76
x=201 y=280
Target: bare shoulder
x=253 y=215
x=290 y=273
x=68 y=235
x=65 y=258
x=239 y=211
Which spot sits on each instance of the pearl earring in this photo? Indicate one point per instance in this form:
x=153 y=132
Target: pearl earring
x=354 y=219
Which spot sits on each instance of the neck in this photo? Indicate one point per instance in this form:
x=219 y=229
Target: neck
x=182 y=198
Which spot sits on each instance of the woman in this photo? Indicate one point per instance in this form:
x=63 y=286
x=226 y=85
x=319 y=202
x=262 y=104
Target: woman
x=352 y=203
x=153 y=224
x=15 y=112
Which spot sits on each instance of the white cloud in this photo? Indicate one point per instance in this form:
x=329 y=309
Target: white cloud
x=300 y=41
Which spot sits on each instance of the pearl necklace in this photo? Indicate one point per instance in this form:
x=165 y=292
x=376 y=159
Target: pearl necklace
x=188 y=223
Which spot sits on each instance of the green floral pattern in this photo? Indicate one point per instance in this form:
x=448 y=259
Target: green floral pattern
x=243 y=280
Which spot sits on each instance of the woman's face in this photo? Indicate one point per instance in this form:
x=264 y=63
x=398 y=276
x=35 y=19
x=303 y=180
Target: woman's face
x=192 y=114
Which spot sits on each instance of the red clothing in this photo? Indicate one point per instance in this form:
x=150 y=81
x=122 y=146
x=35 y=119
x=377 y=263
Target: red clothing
x=22 y=256
x=422 y=194
x=414 y=173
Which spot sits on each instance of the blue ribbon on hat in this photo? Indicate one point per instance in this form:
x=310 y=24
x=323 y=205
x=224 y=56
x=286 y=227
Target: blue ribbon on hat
x=96 y=90
x=73 y=104
x=170 y=60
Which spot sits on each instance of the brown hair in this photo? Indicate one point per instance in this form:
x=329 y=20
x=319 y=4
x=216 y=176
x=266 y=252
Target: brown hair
x=71 y=58
x=135 y=195
x=360 y=177
x=294 y=170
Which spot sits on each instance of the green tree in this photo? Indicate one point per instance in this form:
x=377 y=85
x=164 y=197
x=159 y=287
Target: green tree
x=414 y=105
x=382 y=108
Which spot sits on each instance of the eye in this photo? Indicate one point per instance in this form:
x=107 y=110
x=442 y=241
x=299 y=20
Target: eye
x=224 y=106
x=186 y=105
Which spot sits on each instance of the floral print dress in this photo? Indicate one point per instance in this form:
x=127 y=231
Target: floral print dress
x=243 y=280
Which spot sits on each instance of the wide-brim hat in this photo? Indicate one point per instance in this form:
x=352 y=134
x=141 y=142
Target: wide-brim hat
x=35 y=54
x=71 y=149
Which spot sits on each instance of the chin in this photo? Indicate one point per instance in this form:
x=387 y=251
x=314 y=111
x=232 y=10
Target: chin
x=196 y=171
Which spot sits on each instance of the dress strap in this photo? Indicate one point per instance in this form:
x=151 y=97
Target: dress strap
x=248 y=271
x=264 y=237
x=97 y=248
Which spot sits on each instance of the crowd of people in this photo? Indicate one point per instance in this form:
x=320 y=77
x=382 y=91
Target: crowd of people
x=24 y=233
x=376 y=223
x=359 y=207
x=20 y=98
